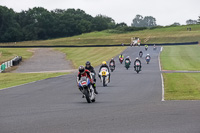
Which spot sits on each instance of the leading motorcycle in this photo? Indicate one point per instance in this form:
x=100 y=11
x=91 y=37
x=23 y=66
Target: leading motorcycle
x=87 y=89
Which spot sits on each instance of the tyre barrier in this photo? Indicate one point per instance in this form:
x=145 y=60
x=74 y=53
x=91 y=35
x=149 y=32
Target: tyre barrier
x=14 y=62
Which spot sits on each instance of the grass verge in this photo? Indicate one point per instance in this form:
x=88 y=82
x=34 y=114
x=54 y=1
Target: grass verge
x=10 y=53
x=182 y=86
x=181 y=58
x=14 y=79
x=95 y=55
x=159 y=35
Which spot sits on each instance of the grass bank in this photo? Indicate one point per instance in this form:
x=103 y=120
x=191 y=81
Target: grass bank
x=159 y=35
x=14 y=79
x=182 y=86
x=9 y=53
x=181 y=58
x=79 y=56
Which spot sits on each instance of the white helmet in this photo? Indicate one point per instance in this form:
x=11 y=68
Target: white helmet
x=137 y=58
x=147 y=54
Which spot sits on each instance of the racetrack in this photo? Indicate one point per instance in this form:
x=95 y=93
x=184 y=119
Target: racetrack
x=130 y=103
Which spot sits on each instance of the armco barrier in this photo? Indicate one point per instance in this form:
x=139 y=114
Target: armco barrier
x=114 y=45
x=15 y=61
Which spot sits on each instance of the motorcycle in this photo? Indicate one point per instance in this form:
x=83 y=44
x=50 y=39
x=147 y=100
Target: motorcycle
x=121 y=60
x=140 y=54
x=154 y=48
x=127 y=64
x=112 y=67
x=146 y=48
x=137 y=67
x=87 y=89
x=104 y=76
x=147 y=59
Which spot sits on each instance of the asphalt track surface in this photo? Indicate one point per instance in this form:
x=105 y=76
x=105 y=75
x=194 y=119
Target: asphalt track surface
x=131 y=103
x=44 y=60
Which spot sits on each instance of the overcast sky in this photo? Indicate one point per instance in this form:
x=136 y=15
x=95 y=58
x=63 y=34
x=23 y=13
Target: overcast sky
x=166 y=12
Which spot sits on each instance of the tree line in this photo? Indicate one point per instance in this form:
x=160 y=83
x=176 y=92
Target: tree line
x=39 y=23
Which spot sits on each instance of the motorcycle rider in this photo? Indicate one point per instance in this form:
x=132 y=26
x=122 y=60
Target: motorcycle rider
x=140 y=53
x=89 y=67
x=128 y=58
x=112 y=61
x=137 y=59
x=86 y=73
x=104 y=65
x=121 y=56
x=148 y=56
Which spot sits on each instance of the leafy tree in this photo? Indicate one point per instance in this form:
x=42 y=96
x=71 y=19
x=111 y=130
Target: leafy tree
x=190 y=21
x=147 y=21
x=9 y=28
x=176 y=24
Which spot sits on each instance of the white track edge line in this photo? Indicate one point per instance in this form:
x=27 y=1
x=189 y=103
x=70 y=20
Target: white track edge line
x=162 y=80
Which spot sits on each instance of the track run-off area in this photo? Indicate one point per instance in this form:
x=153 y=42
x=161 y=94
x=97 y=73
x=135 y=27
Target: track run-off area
x=131 y=103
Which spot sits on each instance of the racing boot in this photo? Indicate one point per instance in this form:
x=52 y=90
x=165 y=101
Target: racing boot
x=95 y=90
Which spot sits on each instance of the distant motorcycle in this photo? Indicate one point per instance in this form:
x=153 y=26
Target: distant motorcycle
x=87 y=89
x=147 y=59
x=146 y=48
x=104 y=76
x=137 y=67
x=121 y=60
x=112 y=67
x=127 y=64
x=140 y=54
x=154 y=48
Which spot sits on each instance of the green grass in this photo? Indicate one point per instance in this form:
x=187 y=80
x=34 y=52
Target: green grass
x=158 y=35
x=181 y=58
x=182 y=86
x=9 y=53
x=14 y=79
x=79 y=56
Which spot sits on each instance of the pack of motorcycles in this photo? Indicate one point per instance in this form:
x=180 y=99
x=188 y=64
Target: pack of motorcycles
x=88 y=90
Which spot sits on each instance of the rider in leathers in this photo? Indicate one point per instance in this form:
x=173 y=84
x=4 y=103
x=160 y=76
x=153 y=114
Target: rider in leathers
x=86 y=73
x=104 y=65
x=137 y=59
x=89 y=67
x=112 y=61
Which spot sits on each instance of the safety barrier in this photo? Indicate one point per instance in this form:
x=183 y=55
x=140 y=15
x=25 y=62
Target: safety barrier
x=14 y=62
x=113 y=45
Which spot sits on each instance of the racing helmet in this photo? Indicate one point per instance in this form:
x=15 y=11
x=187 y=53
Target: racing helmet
x=81 y=69
x=87 y=63
x=104 y=63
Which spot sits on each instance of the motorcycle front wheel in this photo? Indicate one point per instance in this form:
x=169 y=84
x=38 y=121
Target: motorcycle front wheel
x=104 y=81
x=87 y=95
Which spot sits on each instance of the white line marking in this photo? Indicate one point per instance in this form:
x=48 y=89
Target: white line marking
x=163 y=88
x=162 y=80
